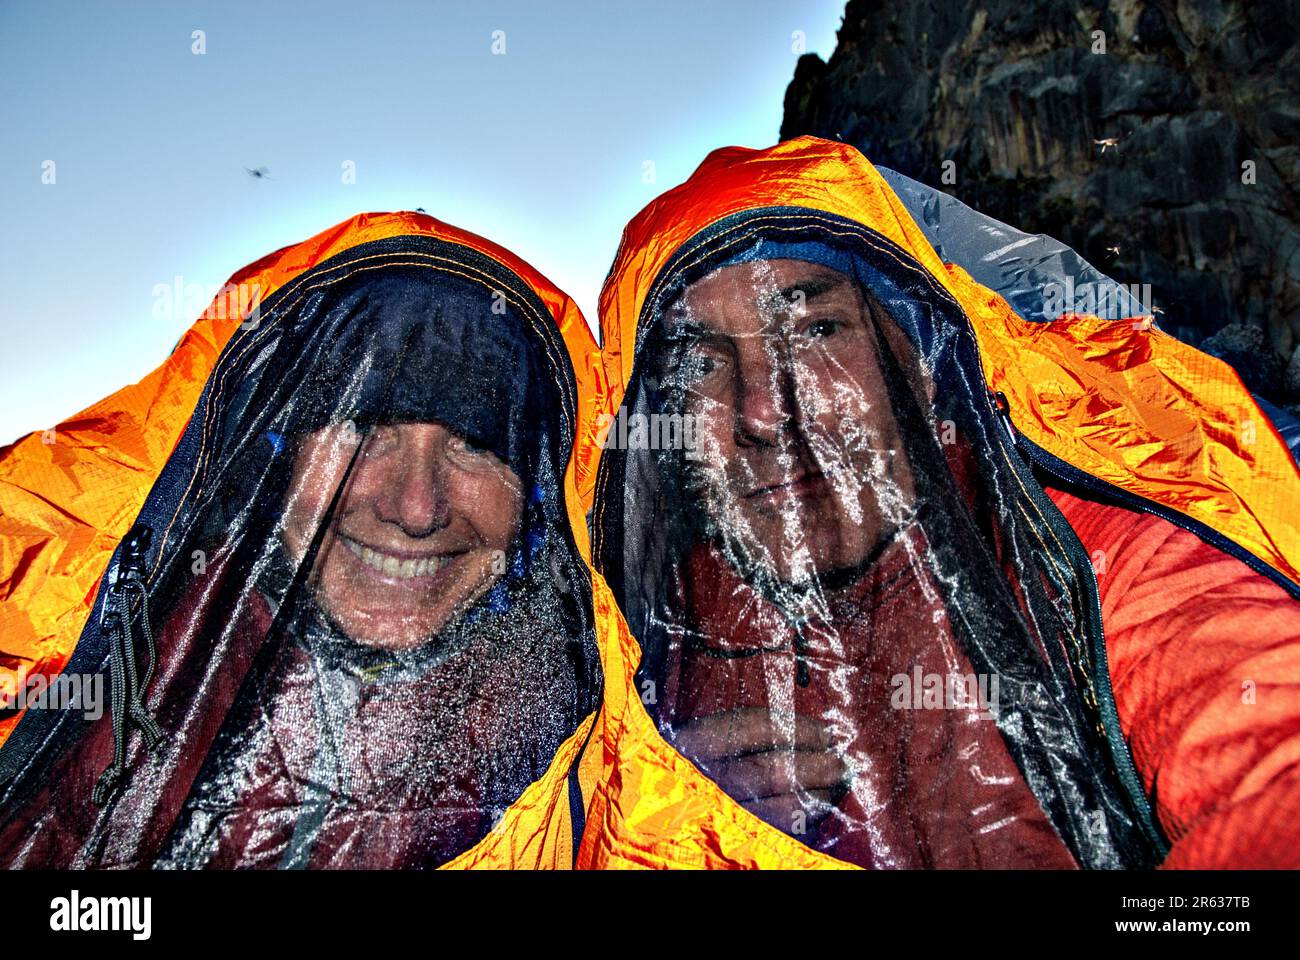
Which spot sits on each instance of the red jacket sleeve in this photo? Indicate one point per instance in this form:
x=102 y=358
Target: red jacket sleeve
x=1205 y=662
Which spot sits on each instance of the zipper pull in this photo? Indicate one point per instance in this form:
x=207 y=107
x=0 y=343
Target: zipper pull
x=127 y=576
x=1003 y=406
x=134 y=548
x=127 y=565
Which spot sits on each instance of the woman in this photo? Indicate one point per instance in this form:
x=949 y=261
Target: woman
x=376 y=628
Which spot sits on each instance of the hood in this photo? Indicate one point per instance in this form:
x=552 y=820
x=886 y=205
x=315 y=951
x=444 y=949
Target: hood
x=377 y=488
x=1121 y=401
x=940 y=415
x=70 y=493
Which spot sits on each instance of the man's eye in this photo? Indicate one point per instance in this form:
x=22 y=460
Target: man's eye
x=697 y=365
x=823 y=328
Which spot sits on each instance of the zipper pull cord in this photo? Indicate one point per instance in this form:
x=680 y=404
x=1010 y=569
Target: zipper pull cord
x=117 y=712
x=128 y=687
x=137 y=711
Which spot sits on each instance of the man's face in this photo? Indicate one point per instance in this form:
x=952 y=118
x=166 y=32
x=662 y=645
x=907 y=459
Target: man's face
x=420 y=533
x=799 y=451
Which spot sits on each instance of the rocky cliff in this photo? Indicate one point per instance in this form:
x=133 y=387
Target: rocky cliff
x=1159 y=139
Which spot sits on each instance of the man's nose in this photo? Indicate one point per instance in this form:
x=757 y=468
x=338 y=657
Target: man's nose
x=418 y=501
x=763 y=403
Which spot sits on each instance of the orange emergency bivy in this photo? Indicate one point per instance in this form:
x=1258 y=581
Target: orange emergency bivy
x=885 y=457
x=347 y=616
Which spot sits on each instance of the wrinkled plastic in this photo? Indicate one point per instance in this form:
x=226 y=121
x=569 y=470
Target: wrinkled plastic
x=1121 y=405
x=1024 y=268
x=351 y=626
x=849 y=613
x=69 y=494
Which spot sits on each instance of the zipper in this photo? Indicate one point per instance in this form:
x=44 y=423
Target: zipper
x=1072 y=474
x=802 y=674
x=1121 y=755
x=577 y=803
x=126 y=576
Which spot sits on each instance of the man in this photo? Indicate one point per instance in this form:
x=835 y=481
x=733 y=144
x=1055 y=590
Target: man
x=863 y=610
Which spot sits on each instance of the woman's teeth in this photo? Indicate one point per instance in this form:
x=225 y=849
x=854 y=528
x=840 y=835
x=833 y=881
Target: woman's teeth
x=394 y=566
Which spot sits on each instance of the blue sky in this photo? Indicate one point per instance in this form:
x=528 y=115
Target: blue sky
x=542 y=149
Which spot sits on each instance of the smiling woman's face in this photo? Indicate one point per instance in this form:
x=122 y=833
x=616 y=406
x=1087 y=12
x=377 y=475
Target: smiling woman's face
x=420 y=533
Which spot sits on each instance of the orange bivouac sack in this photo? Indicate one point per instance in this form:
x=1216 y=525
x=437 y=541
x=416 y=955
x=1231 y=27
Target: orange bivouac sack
x=331 y=559
x=895 y=482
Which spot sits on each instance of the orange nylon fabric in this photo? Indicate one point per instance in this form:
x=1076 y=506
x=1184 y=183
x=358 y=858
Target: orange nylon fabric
x=64 y=505
x=1125 y=403
x=1134 y=406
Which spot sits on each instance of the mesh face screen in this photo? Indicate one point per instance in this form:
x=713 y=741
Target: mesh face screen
x=373 y=628
x=855 y=615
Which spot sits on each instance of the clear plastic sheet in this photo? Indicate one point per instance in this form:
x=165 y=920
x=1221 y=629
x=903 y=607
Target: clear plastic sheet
x=351 y=621
x=856 y=615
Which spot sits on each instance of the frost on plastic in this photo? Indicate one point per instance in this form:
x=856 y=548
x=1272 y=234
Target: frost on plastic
x=854 y=615
x=373 y=629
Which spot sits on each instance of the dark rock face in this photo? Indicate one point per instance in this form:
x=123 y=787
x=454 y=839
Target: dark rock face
x=1197 y=194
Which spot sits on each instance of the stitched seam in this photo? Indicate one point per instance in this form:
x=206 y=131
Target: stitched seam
x=211 y=414
x=750 y=227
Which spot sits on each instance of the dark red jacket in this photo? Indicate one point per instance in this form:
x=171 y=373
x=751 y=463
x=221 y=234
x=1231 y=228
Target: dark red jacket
x=407 y=789
x=1197 y=642
x=1176 y=612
